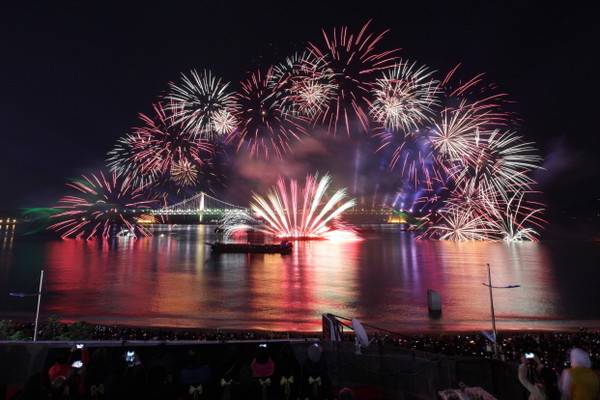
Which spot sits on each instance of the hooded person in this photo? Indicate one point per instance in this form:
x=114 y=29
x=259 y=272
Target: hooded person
x=315 y=372
x=579 y=382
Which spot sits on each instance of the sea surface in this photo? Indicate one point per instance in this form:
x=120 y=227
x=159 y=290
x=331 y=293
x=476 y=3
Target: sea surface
x=172 y=279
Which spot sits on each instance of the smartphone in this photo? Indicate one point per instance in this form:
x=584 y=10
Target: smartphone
x=130 y=356
x=529 y=355
x=79 y=346
x=77 y=364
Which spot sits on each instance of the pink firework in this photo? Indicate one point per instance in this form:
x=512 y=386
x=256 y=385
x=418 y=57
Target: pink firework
x=303 y=85
x=475 y=95
x=101 y=207
x=354 y=61
x=309 y=212
x=264 y=130
x=159 y=150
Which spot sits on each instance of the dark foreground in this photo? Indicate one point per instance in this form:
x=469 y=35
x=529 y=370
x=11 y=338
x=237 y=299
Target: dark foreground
x=382 y=371
x=393 y=366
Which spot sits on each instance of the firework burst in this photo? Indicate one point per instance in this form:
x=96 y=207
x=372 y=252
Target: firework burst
x=454 y=136
x=264 y=129
x=502 y=161
x=354 y=61
x=203 y=105
x=159 y=150
x=102 y=207
x=405 y=97
x=304 y=85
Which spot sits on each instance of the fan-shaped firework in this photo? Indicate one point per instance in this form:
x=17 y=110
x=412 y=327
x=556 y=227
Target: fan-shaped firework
x=160 y=149
x=293 y=212
x=303 y=85
x=103 y=206
x=201 y=103
x=404 y=97
x=264 y=130
x=354 y=61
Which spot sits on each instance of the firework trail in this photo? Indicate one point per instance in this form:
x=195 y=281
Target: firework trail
x=509 y=223
x=264 y=129
x=420 y=172
x=203 y=105
x=477 y=96
x=405 y=97
x=355 y=62
x=102 y=207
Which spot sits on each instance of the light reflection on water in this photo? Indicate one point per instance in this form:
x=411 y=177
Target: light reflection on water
x=173 y=279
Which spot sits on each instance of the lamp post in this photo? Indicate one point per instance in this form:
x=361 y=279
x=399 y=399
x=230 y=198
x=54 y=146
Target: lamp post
x=39 y=301
x=489 y=285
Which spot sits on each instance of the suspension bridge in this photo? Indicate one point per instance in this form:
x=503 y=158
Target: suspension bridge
x=202 y=205
x=207 y=207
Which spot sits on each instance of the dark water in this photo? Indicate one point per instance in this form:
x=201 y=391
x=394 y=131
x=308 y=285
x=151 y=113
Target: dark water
x=173 y=279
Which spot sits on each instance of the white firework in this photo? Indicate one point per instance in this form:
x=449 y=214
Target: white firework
x=199 y=100
x=404 y=97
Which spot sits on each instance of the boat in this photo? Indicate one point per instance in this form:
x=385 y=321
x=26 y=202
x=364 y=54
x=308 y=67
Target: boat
x=285 y=247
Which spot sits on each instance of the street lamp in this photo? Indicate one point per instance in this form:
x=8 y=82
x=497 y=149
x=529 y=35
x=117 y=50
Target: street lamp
x=39 y=301
x=489 y=285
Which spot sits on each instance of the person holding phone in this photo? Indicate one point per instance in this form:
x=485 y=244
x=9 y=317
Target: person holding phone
x=534 y=385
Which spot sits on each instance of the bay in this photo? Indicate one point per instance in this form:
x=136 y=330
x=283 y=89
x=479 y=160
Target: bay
x=172 y=279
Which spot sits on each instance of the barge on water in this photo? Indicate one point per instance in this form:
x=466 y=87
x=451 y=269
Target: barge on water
x=285 y=247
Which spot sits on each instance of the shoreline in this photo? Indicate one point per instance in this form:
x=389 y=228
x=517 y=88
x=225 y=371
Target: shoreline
x=279 y=334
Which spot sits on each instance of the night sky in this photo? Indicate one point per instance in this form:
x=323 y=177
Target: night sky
x=75 y=75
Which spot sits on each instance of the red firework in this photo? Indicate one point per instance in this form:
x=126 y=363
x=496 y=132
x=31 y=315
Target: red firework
x=354 y=62
x=264 y=129
x=160 y=149
x=102 y=207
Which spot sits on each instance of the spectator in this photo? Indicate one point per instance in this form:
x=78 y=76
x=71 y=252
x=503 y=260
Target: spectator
x=228 y=374
x=579 y=382
x=316 y=382
x=262 y=367
x=530 y=378
x=287 y=373
x=196 y=376
x=346 y=394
